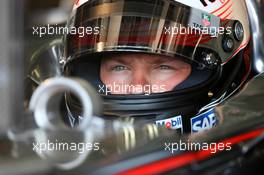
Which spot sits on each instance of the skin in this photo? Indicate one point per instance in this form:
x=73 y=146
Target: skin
x=135 y=69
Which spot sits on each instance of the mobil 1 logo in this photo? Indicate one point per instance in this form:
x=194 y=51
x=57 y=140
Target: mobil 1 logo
x=171 y=123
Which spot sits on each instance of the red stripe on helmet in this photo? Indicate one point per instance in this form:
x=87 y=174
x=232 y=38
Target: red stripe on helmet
x=221 y=7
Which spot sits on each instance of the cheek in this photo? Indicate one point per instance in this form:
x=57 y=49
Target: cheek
x=109 y=77
x=170 y=80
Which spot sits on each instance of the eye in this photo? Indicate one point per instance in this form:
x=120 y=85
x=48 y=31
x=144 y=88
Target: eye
x=119 y=68
x=165 y=67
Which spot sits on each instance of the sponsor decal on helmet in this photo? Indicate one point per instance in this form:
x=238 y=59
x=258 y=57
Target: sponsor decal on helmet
x=206 y=5
x=204 y=121
x=171 y=123
x=225 y=9
x=206 y=19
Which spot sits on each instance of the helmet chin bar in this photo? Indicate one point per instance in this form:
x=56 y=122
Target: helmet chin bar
x=157 y=106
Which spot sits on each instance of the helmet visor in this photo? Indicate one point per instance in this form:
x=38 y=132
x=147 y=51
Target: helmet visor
x=160 y=27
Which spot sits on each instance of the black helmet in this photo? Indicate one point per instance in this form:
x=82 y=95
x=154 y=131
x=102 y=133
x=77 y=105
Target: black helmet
x=211 y=38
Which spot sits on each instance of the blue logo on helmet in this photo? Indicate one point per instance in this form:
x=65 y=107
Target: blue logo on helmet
x=204 y=121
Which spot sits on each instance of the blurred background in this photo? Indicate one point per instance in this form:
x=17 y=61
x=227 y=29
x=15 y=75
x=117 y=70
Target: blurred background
x=18 y=45
x=41 y=13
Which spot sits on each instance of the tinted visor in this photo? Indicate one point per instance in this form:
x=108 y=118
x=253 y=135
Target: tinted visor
x=160 y=27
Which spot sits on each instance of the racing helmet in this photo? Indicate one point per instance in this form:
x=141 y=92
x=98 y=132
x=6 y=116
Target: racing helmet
x=211 y=36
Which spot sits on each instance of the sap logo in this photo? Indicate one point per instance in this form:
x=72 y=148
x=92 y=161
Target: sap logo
x=171 y=123
x=204 y=121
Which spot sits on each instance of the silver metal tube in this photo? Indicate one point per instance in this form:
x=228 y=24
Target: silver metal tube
x=45 y=101
x=11 y=63
x=256 y=16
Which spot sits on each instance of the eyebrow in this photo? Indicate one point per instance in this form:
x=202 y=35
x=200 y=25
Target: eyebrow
x=120 y=60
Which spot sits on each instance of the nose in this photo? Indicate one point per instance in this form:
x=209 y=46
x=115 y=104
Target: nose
x=140 y=77
x=139 y=80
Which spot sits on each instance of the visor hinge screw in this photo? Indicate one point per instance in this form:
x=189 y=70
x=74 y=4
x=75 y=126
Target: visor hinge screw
x=238 y=31
x=228 y=44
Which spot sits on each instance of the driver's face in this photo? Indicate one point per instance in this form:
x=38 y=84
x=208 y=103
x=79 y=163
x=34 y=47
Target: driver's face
x=141 y=70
